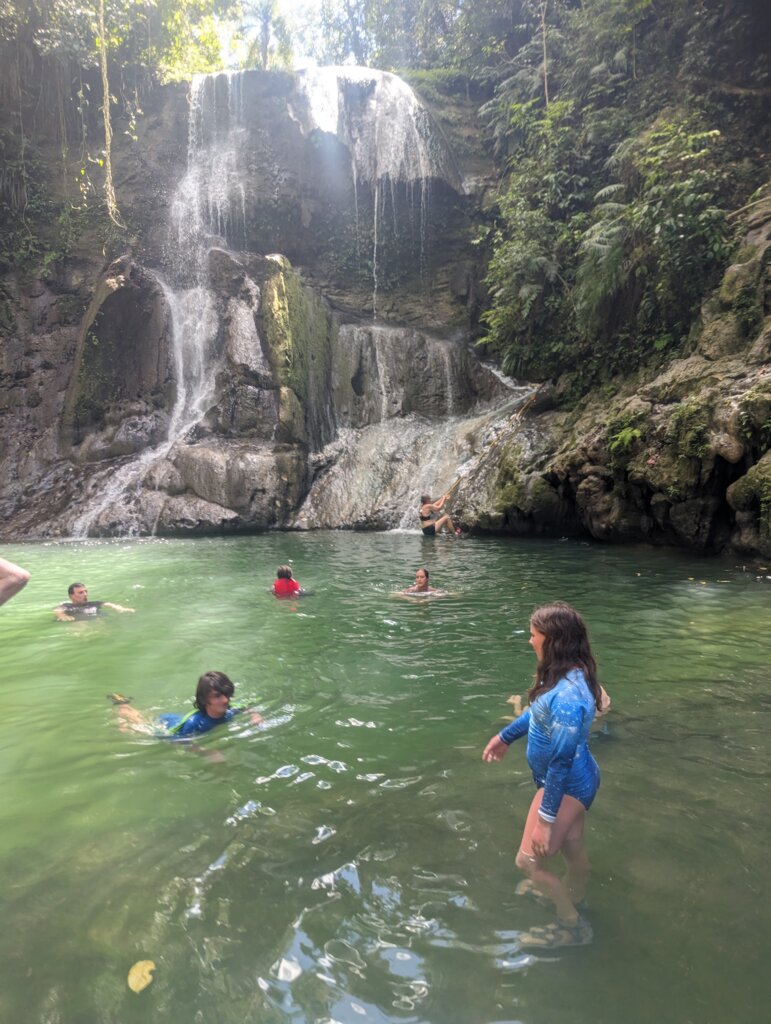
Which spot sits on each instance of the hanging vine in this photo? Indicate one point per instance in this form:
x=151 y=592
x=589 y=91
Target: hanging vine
x=109 y=188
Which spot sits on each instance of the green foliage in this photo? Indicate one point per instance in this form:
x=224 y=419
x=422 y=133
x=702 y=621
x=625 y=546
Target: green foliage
x=625 y=435
x=688 y=429
x=611 y=224
x=271 y=45
x=625 y=439
x=658 y=234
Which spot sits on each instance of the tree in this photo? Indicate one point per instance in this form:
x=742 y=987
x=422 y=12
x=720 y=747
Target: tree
x=271 y=46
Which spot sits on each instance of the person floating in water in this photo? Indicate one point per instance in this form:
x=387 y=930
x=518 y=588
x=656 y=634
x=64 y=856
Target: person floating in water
x=211 y=708
x=285 y=585
x=79 y=607
x=432 y=521
x=12 y=579
x=421 y=587
x=563 y=702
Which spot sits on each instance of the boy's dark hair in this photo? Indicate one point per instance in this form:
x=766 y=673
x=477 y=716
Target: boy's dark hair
x=284 y=572
x=72 y=587
x=209 y=683
x=425 y=499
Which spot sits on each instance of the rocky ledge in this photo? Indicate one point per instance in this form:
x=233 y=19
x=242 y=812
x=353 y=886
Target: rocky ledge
x=678 y=457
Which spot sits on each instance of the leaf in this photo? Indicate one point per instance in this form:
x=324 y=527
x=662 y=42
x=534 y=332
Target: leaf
x=140 y=975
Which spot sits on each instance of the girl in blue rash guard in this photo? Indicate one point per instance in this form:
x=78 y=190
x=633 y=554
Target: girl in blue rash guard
x=563 y=702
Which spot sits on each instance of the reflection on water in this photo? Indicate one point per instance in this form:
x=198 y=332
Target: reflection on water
x=353 y=858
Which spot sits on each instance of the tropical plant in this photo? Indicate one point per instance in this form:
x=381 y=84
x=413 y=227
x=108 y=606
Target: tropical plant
x=271 y=42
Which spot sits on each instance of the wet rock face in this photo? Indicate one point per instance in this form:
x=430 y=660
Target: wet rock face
x=341 y=170
x=165 y=370
x=121 y=369
x=379 y=373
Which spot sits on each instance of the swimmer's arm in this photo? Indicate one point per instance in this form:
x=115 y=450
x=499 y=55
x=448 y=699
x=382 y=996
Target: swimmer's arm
x=254 y=716
x=605 y=702
x=499 y=744
x=116 y=607
x=12 y=579
x=61 y=615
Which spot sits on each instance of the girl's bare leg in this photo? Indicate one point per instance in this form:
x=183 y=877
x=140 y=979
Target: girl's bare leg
x=569 y=823
x=576 y=860
x=444 y=523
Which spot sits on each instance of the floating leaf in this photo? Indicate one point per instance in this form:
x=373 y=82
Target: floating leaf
x=140 y=975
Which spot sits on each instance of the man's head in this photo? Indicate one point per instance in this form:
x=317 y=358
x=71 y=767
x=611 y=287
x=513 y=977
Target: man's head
x=77 y=593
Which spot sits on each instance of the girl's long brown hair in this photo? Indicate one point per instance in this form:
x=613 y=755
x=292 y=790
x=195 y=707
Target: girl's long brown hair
x=566 y=646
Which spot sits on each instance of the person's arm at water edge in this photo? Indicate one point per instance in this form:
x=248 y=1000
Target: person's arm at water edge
x=12 y=579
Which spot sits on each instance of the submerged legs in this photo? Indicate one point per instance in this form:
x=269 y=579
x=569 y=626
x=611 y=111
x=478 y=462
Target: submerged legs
x=566 y=838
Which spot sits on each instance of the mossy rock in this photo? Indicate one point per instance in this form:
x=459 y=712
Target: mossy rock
x=722 y=337
x=510 y=484
x=688 y=428
x=672 y=475
x=739 y=278
x=752 y=493
x=755 y=415
x=299 y=331
x=291 y=418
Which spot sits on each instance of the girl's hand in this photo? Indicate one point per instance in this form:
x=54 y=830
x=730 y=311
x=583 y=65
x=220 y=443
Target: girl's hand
x=541 y=838
x=495 y=749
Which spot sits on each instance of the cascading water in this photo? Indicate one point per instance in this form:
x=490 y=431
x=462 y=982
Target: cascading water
x=430 y=408
x=391 y=141
x=208 y=209
x=405 y=408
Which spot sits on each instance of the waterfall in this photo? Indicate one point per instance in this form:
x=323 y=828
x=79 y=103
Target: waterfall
x=404 y=407
x=208 y=209
x=391 y=140
x=430 y=407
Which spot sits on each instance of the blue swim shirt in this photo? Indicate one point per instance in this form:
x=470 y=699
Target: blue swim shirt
x=557 y=724
x=182 y=726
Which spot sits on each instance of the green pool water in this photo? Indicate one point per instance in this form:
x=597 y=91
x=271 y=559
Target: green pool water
x=352 y=860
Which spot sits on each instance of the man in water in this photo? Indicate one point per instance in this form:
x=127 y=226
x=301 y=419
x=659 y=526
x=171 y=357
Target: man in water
x=79 y=607
x=12 y=579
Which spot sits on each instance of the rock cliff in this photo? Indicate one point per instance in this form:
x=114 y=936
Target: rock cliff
x=680 y=456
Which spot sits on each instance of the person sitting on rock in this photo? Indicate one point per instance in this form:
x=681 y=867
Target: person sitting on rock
x=79 y=607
